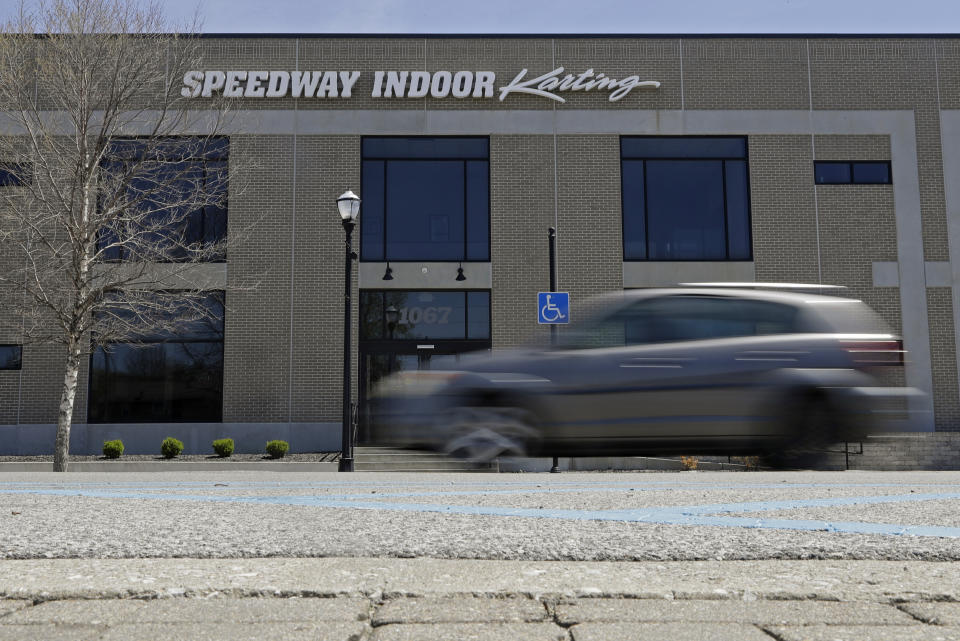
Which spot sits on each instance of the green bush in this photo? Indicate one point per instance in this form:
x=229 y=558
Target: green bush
x=223 y=447
x=171 y=447
x=277 y=449
x=113 y=449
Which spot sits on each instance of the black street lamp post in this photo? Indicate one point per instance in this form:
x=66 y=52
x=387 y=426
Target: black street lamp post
x=349 y=206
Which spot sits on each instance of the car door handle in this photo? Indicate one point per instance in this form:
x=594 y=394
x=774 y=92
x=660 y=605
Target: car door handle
x=657 y=362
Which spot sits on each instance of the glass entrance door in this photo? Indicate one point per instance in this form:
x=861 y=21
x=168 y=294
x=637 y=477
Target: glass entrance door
x=416 y=330
x=379 y=359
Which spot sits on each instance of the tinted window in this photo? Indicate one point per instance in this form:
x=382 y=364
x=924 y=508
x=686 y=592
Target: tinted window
x=162 y=376
x=15 y=174
x=847 y=172
x=424 y=315
x=683 y=147
x=179 y=190
x=831 y=173
x=425 y=199
x=685 y=210
x=683 y=318
x=11 y=356
x=685 y=199
x=426 y=148
x=877 y=173
x=425 y=223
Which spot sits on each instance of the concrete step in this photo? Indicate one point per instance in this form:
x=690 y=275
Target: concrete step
x=425 y=470
x=384 y=459
x=420 y=466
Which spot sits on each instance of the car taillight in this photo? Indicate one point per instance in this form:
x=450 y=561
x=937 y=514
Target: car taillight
x=879 y=352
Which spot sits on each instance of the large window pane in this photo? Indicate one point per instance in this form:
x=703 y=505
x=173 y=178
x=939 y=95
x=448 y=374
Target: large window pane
x=426 y=210
x=478 y=210
x=371 y=222
x=738 y=210
x=159 y=382
x=634 y=211
x=478 y=314
x=179 y=191
x=164 y=376
x=685 y=214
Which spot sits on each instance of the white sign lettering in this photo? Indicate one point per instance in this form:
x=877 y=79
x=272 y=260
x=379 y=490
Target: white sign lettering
x=549 y=83
x=402 y=84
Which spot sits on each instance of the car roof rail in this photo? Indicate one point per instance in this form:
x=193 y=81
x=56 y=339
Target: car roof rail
x=762 y=285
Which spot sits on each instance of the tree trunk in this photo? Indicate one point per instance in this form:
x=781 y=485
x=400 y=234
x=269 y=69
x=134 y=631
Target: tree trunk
x=65 y=416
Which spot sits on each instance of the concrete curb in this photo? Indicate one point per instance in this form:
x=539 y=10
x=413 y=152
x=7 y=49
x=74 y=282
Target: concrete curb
x=822 y=580
x=163 y=466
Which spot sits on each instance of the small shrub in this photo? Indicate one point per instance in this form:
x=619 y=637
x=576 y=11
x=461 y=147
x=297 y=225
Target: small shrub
x=113 y=449
x=223 y=447
x=277 y=449
x=689 y=462
x=171 y=447
x=750 y=463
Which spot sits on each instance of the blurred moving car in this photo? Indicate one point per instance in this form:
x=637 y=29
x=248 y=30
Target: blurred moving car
x=693 y=370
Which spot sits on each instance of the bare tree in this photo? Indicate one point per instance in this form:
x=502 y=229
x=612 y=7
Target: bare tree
x=115 y=181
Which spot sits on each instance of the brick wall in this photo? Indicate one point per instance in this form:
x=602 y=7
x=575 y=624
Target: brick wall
x=521 y=210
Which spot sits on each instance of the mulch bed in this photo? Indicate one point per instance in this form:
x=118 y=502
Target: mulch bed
x=306 y=457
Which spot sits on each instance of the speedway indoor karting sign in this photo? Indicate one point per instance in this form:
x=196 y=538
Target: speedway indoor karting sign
x=405 y=84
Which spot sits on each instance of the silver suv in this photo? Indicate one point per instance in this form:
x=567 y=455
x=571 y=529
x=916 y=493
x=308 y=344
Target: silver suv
x=700 y=369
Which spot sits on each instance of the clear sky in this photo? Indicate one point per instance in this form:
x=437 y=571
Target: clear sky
x=572 y=16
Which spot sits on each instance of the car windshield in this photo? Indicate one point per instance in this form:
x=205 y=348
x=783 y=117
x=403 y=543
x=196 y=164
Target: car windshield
x=680 y=317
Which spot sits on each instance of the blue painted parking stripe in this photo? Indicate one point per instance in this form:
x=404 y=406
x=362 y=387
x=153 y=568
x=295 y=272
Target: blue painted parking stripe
x=767 y=506
x=673 y=515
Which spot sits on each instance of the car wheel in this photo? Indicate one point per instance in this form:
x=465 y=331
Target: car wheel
x=812 y=429
x=481 y=434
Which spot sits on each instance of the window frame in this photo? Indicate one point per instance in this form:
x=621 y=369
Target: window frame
x=464 y=159
x=722 y=159
x=850 y=164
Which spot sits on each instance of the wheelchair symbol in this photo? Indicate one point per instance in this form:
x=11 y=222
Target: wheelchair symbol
x=554 y=307
x=550 y=312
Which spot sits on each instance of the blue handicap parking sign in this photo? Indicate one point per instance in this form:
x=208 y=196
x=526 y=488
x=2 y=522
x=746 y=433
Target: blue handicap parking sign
x=553 y=308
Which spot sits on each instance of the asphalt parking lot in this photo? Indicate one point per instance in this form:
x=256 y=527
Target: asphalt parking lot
x=574 y=517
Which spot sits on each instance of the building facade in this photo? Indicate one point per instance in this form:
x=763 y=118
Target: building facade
x=658 y=160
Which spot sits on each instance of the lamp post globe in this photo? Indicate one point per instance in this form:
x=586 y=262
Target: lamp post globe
x=348 y=205
x=392 y=315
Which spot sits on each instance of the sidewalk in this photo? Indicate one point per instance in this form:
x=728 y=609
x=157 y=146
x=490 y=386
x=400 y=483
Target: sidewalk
x=427 y=599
